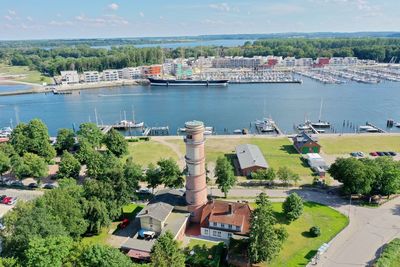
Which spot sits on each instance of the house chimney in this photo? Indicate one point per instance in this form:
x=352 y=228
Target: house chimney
x=230 y=209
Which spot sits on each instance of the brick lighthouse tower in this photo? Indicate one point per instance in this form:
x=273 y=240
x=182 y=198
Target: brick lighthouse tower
x=196 y=185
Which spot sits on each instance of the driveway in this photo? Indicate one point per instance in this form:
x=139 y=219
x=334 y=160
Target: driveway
x=358 y=244
x=25 y=195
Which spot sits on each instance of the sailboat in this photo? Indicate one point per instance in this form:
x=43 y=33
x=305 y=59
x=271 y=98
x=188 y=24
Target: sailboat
x=130 y=124
x=321 y=123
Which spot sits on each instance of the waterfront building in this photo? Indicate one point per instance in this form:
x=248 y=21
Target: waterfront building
x=110 y=75
x=304 y=62
x=153 y=70
x=322 y=61
x=196 y=185
x=237 y=62
x=250 y=159
x=131 y=73
x=305 y=143
x=69 y=77
x=91 y=76
x=289 y=62
x=120 y=74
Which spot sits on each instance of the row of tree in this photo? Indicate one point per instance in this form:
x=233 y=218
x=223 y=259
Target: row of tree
x=84 y=58
x=368 y=177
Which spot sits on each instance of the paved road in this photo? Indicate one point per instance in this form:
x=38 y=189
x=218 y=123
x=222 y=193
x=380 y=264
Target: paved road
x=359 y=243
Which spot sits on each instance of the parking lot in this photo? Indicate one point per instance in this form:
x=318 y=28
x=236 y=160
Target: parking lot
x=25 y=195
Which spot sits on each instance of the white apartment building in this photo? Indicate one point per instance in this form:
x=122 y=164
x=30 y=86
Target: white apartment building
x=304 y=62
x=131 y=73
x=91 y=76
x=69 y=77
x=110 y=75
x=289 y=62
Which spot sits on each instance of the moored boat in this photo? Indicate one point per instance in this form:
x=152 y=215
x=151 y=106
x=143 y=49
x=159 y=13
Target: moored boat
x=176 y=82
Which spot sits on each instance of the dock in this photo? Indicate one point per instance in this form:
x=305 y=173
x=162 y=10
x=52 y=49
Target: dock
x=156 y=131
x=380 y=130
x=105 y=128
x=277 y=129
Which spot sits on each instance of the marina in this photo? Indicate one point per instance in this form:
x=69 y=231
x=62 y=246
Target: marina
x=229 y=110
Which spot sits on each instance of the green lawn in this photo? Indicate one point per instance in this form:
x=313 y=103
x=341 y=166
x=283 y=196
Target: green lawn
x=299 y=248
x=277 y=151
x=102 y=237
x=131 y=210
x=347 y=144
x=197 y=242
x=24 y=73
x=391 y=255
x=146 y=152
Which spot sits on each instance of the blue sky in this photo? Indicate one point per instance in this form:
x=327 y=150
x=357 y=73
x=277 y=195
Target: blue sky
x=37 y=19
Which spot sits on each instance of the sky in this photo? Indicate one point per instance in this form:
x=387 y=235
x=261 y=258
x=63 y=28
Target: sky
x=52 y=19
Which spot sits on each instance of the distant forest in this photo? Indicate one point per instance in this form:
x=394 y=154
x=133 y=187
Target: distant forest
x=83 y=57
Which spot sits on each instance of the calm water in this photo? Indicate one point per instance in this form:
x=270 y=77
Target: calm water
x=231 y=107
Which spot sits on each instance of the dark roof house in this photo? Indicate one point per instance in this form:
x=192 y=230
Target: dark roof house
x=305 y=143
x=250 y=159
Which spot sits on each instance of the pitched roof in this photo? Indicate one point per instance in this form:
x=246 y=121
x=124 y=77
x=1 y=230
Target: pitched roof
x=173 y=197
x=304 y=138
x=233 y=213
x=158 y=211
x=250 y=156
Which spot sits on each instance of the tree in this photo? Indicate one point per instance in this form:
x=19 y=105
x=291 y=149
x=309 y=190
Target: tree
x=65 y=140
x=263 y=175
x=30 y=165
x=265 y=240
x=315 y=231
x=293 y=207
x=34 y=138
x=9 y=262
x=355 y=176
x=226 y=178
x=171 y=175
x=85 y=152
x=91 y=133
x=96 y=215
x=166 y=252
x=69 y=166
x=49 y=251
x=103 y=256
x=5 y=163
x=133 y=174
x=286 y=175
x=388 y=179
x=116 y=143
x=153 y=177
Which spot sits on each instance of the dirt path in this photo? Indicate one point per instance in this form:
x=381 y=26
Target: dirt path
x=175 y=148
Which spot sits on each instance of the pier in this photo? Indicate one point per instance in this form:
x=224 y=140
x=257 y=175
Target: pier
x=156 y=131
x=277 y=129
x=380 y=130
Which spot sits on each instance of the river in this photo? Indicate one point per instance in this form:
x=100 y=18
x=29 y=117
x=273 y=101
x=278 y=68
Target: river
x=225 y=108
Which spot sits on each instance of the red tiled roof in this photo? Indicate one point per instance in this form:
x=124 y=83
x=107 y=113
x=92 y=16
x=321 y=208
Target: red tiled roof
x=137 y=254
x=219 y=212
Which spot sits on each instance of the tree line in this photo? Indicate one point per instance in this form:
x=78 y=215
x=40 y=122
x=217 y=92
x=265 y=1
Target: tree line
x=86 y=58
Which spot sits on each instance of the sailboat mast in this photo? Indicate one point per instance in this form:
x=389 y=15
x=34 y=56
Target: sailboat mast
x=95 y=114
x=320 y=110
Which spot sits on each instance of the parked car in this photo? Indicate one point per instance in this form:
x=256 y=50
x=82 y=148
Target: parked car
x=2 y=197
x=387 y=154
x=49 y=186
x=381 y=154
x=17 y=184
x=124 y=223
x=354 y=154
x=393 y=154
x=374 y=154
x=6 y=200
x=12 y=201
x=360 y=154
x=143 y=191
x=33 y=185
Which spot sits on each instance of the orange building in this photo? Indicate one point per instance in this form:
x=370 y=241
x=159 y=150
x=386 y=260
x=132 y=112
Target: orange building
x=153 y=70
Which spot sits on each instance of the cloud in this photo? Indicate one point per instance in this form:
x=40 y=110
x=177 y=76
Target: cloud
x=12 y=12
x=141 y=14
x=29 y=18
x=61 y=23
x=113 y=6
x=7 y=17
x=224 y=7
x=105 y=20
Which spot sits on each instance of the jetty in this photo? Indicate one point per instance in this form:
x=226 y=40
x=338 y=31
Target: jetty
x=380 y=130
x=156 y=131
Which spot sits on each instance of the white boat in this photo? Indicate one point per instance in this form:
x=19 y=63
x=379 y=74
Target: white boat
x=182 y=130
x=209 y=128
x=237 y=131
x=130 y=124
x=303 y=127
x=397 y=124
x=5 y=132
x=208 y=132
x=367 y=128
x=321 y=123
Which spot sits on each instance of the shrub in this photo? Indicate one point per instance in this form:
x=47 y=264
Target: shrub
x=293 y=207
x=315 y=231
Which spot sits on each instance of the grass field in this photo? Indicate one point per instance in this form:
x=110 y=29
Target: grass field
x=197 y=242
x=102 y=237
x=391 y=255
x=347 y=144
x=25 y=75
x=299 y=248
x=278 y=152
x=146 y=152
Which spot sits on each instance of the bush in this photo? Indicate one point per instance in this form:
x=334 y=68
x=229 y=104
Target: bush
x=315 y=231
x=145 y=138
x=134 y=140
x=293 y=207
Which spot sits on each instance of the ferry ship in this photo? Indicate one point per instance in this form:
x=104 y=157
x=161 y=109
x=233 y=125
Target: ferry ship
x=173 y=82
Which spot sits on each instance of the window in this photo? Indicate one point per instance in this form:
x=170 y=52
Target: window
x=229 y=235
x=214 y=224
x=214 y=233
x=219 y=233
x=206 y=231
x=237 y=227
x=230 y=226
x=222 y=225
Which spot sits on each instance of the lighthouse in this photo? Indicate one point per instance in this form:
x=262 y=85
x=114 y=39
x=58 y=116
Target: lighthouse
x=196 y=185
